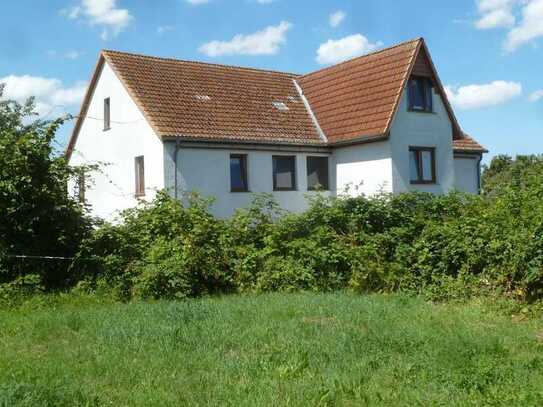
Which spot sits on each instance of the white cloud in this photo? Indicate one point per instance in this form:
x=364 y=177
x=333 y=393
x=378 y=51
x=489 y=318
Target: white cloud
x=536 y=96
x=52 y=97
x=162 y=29
x=264 y=42
x=529 y=28
x=197 y=2
x=336 y=18
x=479 y=96
x=334 y=51
x=73 y=54
x=102 y=13
x=264 y=1
x=495 y=13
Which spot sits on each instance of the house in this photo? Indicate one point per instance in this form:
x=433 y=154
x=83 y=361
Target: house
x=379 y=122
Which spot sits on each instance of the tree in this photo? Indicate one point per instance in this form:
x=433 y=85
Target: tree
x=505 y=173
x=37 y=216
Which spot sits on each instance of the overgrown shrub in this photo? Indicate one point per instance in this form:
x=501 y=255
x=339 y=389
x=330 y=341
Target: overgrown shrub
x=450 y=246
x=443 y=247
x=37 y=217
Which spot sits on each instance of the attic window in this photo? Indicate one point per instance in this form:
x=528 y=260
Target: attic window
x=202 y=97
x=420 y=94
x=280 y=106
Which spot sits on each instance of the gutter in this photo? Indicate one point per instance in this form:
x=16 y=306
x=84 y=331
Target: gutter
x=479 y=173
x=175 y=166
x=360 y=140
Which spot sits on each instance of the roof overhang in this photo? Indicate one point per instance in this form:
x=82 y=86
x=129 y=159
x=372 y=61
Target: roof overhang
x=84 y=106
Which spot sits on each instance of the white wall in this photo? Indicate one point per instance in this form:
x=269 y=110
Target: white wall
x=422 y=130
x=363 y=169
x=130 y=136
x=466 y=170
x=208 y=172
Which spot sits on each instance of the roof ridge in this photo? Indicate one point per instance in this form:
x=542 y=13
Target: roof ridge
x=363 y=56
x=111 y=51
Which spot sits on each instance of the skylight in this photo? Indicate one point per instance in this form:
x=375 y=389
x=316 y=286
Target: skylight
x=280 y=106
x=202 y=97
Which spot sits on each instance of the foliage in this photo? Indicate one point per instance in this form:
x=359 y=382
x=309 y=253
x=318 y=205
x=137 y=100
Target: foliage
x=38 y=217
x=159 y=250
x=444 y=247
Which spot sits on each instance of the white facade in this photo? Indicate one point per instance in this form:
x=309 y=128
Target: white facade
x=207 y=171
x=422 y=129
x=364 y=169
x=112 y=188
x=369 y=168
x=466 y=171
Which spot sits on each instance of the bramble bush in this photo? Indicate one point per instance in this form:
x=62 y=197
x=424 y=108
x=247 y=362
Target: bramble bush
x=37 y=217
x=443 y=247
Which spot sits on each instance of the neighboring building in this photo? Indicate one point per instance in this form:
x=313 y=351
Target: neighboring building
x=380 y=122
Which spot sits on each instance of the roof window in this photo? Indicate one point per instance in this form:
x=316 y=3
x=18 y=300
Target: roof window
x=280 y=106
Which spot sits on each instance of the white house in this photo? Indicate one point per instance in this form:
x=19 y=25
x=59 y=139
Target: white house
x=380 y=122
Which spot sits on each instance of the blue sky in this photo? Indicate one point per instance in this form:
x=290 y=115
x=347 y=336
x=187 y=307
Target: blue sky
x=487 y=52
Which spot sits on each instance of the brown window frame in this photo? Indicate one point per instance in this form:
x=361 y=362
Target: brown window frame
x=428 y=99
x=324 y=187
x=244 y=177
x=107 y=113
x=421 y=181
x=293 y=169
x=139 y=178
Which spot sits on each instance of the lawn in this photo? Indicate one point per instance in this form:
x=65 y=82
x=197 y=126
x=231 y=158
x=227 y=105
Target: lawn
x=277 y=349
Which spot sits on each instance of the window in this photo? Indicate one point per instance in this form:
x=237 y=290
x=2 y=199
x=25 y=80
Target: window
x=317 y=173
x=284 y=173
x=238 y=173
x=420 y=94
x=140 y=176
x=107 y=114
x=80 y=192
x=422 y=165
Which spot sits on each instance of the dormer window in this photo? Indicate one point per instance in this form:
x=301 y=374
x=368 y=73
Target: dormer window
x=420 y=94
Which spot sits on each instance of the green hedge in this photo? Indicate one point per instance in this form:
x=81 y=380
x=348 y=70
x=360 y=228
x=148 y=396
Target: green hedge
x=451 y=246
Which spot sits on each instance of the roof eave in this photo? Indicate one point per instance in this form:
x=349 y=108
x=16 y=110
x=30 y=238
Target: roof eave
x=84 y=106
x=360 y=140
x=207 y=139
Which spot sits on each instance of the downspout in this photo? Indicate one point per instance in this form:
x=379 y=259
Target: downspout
x=175 y=167
x=479 y=173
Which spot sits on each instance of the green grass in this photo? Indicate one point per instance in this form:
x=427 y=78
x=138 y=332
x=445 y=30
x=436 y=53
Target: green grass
x=278 y=349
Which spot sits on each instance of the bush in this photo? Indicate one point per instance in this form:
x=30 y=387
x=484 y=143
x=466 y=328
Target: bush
x=158 y=250
x=444 y=247
x=37 y=216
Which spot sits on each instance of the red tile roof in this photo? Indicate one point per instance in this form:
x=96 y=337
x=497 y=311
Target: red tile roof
x=357 y=98
x=466 y=144
x=198 y=100
x=352 y=101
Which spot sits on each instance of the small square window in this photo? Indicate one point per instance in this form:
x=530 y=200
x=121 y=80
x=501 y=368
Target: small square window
x=317 y=173
x=238 y=173
x=107 y=114
x=420 y=94
x=422 y=165
x=284 y=173
x=139 y=176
